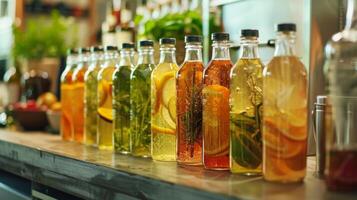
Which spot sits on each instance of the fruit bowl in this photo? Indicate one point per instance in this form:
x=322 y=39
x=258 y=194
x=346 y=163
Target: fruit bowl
x=54 y=118
x=31 y=120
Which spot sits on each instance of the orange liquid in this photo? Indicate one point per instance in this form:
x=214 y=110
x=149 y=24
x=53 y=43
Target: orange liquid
x=66 y=101
x=284 y=120
x=78 y=104
x=189 y=113
x=216 y=115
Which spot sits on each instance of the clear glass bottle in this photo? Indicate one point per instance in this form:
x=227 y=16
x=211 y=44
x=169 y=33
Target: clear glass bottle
x=78 y=94
x=246 y=106
x=67 y=95
x=215 y=98
x=341 y=146
x=189 y=86
x=140 y=117
x=163 y=103
x=105 y=99
x=285 y=111
x=121 y=99
x=90 y=95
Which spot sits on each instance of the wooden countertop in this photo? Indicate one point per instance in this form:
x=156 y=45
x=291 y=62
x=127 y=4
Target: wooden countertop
x=92 y=174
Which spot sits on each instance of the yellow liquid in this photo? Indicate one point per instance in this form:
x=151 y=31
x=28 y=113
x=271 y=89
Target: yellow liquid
x=163 y=112
x=245 y=117
x=105 y=108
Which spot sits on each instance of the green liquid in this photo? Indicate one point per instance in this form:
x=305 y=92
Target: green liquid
x=90 y=108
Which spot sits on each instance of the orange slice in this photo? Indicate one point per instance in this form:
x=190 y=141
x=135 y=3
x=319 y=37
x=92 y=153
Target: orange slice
x=106 y=114
x=286 y=128
x=157 y=129
x=216 y=120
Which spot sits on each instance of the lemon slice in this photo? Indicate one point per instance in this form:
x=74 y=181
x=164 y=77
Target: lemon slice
x=167 y=118
x=158 y=129
x=106 y=114
x=169 y=91
x=172 y=108
x=165 y=88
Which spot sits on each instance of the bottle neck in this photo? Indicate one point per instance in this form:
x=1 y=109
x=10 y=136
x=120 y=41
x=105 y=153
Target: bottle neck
x=84 y=58
x=111 y=57
x=193 y=52
x=285 y=44
x=167 y=54
x=71 y=61
x=351 y=16
x=125 y=57
x=146 y=55
x=249 y=47
x=220 y=50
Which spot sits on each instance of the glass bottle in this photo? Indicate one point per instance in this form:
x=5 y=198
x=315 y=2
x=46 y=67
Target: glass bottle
x=285 y=111
x=341 y=54
x=189 y=86
x=67 y=95
x=105 y=99
x=215 y=100
x=78 y=94
x=163 y=103
x=246 y=105
x=140 y=81
x=121 y=100
x=90 y=94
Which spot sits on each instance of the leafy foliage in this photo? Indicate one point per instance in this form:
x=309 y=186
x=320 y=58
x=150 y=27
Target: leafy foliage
x=41 y=39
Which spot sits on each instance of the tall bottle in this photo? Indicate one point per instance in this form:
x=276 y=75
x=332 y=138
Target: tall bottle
x=189 y=86
x=285 y=111
x=215 y=100
x=140 y=82
x=90 y=96
x=105 y=99
x=78 y=94
x=163 y=103
x=121 y=100
x=67 y=88
x=341 y=145
x=246 y=106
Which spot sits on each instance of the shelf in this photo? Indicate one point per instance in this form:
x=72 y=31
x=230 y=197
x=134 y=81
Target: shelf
x=92 y=174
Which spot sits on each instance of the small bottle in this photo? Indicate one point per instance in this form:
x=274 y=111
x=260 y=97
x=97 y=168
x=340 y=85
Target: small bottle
x=105 y=99
x=121 y=100
x=90 y=94
x=78 y=94
x=140 y=82
x=215 y=100
x=189 y=86
x=67 y=95
x=285 y=111
x=246 y=106
x=163 y=103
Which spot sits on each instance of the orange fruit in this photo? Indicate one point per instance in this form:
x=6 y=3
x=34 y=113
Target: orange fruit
x=215 y=119
x=56 y=106
x=106 y=114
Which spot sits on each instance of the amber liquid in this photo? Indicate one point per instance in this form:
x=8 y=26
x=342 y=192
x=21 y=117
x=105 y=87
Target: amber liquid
x=216 y=115
x=189 y=113
x=66 y=101
x=284 y=120
x=78 y=103
x=342 y=170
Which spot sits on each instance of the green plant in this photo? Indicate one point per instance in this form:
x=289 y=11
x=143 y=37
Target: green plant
x=175 y=25
x=42 y=38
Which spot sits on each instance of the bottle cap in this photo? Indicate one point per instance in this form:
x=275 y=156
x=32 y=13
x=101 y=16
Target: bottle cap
x=146 y=43
x=72 y=51
x=285 y=27
x=127 y=46
x=96 y=49
x=193 y=38
x=111 y=48
x=220 y=36
x=249 y=33
x=168 y=41
x=83 y=50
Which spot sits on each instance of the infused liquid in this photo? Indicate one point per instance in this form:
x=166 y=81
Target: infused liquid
x=163 y=110
x=246 y=100
x=216 y=114
x=189 y=113
x=284 y=120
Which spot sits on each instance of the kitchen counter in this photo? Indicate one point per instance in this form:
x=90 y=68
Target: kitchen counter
x=89 y=173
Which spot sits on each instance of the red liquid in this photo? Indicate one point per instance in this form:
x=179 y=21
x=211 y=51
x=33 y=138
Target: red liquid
x=342 y=170
x=216 y=115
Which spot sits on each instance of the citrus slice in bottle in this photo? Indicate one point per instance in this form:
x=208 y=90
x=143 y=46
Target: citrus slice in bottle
x=165 y=114
x=216 y=120
x=157 y=129
x=103 y=91
x=165 y=89
x=106 y=114
x=172 y=108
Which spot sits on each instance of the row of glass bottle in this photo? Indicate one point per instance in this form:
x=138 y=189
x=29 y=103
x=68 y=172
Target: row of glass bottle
x=192 y=114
